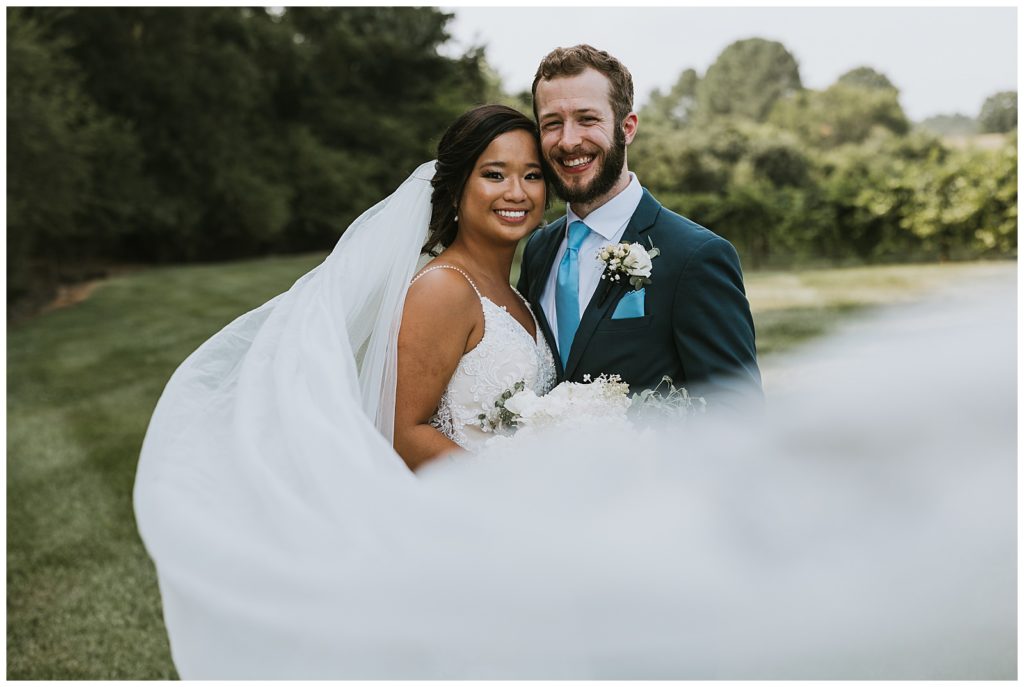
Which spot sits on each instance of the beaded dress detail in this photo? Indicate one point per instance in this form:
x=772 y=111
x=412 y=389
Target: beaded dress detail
x=506 y=354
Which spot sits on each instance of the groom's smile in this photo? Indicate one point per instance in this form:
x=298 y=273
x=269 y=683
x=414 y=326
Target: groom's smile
x=577 y=164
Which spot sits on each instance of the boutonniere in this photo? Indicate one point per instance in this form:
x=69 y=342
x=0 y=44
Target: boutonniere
x=629 y=260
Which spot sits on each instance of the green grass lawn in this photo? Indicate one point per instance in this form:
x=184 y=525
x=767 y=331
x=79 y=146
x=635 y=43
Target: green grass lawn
x=82 y=599
x=795 y=306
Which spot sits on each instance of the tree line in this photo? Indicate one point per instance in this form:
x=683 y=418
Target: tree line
x=180 y=134
x=149 y=135
x=792 y=174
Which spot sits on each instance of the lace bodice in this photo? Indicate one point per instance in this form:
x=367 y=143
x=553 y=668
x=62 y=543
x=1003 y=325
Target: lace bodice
x=506 y=354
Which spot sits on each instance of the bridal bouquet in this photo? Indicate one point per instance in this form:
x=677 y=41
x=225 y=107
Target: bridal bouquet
x=602 y=401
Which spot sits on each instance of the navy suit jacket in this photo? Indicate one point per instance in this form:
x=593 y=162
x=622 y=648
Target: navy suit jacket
x=696 y=327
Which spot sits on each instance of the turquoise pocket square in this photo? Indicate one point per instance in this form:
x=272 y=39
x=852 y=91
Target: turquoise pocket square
x=631 y=305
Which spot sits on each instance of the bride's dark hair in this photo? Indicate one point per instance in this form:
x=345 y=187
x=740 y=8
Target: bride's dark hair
x=460 y=147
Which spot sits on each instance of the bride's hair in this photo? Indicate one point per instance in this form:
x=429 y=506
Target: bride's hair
x=460 y=147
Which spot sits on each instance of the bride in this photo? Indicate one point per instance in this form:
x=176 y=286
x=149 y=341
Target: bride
x=466 y=334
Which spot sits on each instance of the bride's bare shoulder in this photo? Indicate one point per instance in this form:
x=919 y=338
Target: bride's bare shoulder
x=443 y=285
x=442 y=297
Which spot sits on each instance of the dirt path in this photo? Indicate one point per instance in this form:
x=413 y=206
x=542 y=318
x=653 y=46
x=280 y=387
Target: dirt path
x=71 y=295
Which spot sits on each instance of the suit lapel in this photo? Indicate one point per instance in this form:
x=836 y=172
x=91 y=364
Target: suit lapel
x=606 y=293
x=548 y=243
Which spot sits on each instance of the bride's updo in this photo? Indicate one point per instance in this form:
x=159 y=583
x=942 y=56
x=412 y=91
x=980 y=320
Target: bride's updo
x=460 y=147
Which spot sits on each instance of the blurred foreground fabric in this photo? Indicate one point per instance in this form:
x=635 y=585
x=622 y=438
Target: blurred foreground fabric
x=863 y=528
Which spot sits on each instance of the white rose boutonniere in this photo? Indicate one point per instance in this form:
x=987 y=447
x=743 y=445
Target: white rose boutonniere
x=630 y=260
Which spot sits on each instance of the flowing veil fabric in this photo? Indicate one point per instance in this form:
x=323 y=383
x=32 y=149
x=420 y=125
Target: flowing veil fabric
x=317 y=353
x=845 y=538
x=271 y=442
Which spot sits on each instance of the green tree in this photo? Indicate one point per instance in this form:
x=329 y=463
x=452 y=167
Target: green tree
x=374 y=87
x=676 y=107
x=747 y=78
x=752 y=183
x=694 y=160
x=966 y=205
x=69 y=164
x=675 y=162
x=866 y=186
x=191 y=82
x=950 y=125
x=268 y=131
x=995 y=231
x=840 y=114
x=779 y=160
x=999 y=113
x=866 y=77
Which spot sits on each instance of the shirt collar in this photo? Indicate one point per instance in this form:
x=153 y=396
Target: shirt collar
x=609 y=219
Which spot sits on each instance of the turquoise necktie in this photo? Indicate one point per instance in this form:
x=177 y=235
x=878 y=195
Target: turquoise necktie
x=567 y=290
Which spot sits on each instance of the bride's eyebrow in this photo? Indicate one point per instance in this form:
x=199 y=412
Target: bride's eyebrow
x=500 y=163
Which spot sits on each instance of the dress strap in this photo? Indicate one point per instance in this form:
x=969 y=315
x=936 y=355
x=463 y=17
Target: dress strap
x=536 y=324
x=450 y=267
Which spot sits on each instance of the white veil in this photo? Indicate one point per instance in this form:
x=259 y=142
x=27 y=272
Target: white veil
x=372 y=266
x=289 y=363
x=276 y=432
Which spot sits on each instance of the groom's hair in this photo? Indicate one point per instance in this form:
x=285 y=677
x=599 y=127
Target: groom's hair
x=572 y=61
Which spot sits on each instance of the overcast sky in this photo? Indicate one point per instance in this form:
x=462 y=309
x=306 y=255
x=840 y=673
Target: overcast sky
x=943 y=59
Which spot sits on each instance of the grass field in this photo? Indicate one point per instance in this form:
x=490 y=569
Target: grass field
x=82 y=599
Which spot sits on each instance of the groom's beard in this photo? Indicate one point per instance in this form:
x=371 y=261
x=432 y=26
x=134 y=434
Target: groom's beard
x=611 y=168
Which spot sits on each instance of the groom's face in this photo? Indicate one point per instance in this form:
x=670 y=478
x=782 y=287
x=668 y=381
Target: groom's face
x=584 y=147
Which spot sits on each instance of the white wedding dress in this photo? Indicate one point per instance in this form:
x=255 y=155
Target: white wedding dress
x=846 y=538
x=505 y=355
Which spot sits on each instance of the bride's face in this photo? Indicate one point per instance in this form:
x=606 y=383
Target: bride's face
x=504 y=195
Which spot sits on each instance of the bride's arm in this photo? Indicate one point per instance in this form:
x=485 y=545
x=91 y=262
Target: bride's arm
x=442 y=319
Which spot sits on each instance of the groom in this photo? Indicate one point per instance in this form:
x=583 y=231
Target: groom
x=691 y=321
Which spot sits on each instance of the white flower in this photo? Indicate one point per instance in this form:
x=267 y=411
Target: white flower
x=637 y=262
x=524 y=403
x=599 y=404
x=631 y=260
